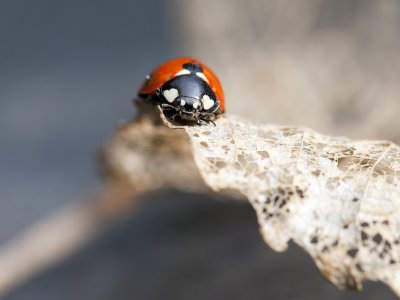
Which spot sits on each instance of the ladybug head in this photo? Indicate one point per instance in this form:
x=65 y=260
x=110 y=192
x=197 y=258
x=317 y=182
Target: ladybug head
x=189 y=97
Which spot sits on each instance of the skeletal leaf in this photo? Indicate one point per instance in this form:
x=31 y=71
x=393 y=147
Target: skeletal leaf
x=338 y=199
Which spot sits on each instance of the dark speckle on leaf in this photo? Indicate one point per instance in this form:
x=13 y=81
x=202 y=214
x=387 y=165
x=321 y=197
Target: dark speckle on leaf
x=387 y=246
x=281 y=191
x=352 y=252
x=282 y=204
x=364 y=236
x=359 y=268
x=377 y=238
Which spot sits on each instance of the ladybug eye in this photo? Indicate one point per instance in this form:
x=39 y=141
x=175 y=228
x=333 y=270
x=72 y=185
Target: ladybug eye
x=207 y=102
x=171 y=95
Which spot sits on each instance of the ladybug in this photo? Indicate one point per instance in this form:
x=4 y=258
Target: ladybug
x=186 y=89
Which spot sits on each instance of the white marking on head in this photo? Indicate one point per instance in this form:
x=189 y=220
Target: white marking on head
x=147 y=77
x=202 y=76
x=196 y=105
x=207 y=102
x=171 y=95
x=183 y=102
x=183 y=72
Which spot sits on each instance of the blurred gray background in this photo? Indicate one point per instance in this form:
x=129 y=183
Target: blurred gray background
x=68 y=73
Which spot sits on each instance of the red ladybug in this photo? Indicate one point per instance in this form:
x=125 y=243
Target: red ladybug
x=185 y=88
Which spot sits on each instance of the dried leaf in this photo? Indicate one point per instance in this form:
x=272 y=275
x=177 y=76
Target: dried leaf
x=338 y=199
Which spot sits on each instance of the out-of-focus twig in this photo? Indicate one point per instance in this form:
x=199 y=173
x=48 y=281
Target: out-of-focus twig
x=53 y=238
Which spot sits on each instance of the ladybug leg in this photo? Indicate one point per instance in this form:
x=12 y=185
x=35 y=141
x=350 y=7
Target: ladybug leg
x=205 y=121
x=208 y=121
x=168 y=107
x=208 y=117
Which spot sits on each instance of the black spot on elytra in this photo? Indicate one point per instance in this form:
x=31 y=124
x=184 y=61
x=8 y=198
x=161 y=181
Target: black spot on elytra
x=386 y=222
x=364 y=224
x=335 y=243
x=352 y=252
x=355 y=199
x=377 y=238
x=392 y=262
x=193 y=68
x=345 y=226
x=314 y=240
